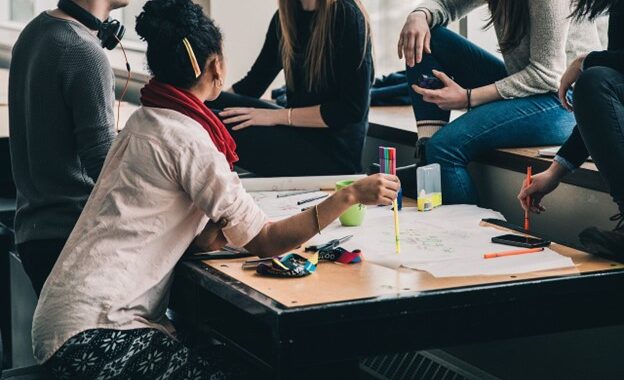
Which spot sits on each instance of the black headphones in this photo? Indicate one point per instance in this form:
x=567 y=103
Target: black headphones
x=110 y=32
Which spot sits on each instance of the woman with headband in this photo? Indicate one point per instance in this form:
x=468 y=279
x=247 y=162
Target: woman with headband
x=324 y=49
x=166 y=184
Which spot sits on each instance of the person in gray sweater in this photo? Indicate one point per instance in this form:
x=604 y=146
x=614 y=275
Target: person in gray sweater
x=511 y=102
x=61 y=125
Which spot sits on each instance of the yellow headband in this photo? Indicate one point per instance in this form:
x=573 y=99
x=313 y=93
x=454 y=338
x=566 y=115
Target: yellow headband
x=191 y=54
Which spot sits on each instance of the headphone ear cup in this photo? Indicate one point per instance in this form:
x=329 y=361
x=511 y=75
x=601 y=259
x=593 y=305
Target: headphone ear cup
x=110 y=33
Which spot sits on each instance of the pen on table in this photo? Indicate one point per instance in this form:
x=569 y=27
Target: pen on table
x=296 y=193
x=312 y=199
x=526 y=212
x=512 y=253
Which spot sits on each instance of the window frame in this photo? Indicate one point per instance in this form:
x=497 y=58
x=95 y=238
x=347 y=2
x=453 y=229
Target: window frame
x=10 y=30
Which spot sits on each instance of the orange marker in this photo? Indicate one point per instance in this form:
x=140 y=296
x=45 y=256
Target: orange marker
x=527 y=226
x=512 y=253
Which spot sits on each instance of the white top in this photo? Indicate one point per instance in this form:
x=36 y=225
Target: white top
x=162 y=180
x=552 y=42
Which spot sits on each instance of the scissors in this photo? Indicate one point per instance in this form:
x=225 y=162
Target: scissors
x=329 y=245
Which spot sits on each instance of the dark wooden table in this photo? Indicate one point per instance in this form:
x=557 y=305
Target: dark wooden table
x=319 y=339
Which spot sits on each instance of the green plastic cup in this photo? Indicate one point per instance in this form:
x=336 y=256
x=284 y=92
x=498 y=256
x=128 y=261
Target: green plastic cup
x=354 y=216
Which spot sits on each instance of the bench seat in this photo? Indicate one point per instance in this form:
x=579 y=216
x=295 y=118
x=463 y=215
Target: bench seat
x=396 y=125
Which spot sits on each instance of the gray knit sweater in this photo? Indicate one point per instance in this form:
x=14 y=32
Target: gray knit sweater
x=537 y=64
x=61 y=124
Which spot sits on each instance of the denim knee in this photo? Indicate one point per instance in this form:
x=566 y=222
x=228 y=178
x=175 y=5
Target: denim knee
x=439 y=36
x=440 y=150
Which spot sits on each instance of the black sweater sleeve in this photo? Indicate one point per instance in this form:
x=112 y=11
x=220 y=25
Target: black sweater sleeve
x=267 y=65
x=609 y=58
x=614 y=57
x=574 y=150
x=353 y=69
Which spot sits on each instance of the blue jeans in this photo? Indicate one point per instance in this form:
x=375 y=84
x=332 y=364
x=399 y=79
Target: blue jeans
x=532 y=121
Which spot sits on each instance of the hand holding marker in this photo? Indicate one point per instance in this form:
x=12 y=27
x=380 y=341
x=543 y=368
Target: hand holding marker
x=527 y=225
x=387 y=163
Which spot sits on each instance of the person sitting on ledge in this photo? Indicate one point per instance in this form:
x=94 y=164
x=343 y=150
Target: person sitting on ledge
x=598 y=105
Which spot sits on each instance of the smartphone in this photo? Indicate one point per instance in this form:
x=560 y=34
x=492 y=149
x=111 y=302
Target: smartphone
x=520 y=241
x=429 y=82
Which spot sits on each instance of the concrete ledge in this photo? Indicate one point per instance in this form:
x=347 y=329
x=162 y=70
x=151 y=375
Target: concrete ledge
x=517 y=159
x=393 y=124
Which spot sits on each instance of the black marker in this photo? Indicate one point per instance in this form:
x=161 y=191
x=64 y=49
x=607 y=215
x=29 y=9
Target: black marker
x=312 y=199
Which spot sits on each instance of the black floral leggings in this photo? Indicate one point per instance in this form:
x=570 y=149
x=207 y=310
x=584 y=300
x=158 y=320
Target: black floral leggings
x=136 y=354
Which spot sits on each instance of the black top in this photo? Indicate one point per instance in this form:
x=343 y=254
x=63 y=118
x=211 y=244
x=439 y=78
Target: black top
x=345 y=100
x=614 y=56
x=574 y=150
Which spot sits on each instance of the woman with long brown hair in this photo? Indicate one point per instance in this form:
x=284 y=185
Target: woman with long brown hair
x=511 y=102
x=324 y=49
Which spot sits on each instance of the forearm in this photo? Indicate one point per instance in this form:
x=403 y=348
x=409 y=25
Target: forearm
x=484 y=95
x=557 y=171
x=307 y=117
x=287 y=234
x=426 y=13
x=208 y=240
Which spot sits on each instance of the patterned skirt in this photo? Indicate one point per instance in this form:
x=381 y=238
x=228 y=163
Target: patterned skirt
x=137 y=354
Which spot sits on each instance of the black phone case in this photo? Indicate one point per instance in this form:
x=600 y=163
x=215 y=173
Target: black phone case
x=430 y=82
x=498 y=240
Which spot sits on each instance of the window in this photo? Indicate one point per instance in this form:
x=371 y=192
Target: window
x=21 y=10
x=128 y=18
x=24 y=10
x=387 y=18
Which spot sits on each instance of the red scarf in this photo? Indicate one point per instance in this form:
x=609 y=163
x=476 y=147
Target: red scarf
x=161 y=95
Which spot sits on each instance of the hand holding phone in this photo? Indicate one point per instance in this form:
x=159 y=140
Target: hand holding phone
x=429 y=82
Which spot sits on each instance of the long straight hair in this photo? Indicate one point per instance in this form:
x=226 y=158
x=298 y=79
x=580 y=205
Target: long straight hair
x=320 y=49
x=513 y=16
x=591 y=8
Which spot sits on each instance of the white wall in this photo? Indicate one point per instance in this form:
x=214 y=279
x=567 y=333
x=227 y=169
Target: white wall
x=244 y=25
x=484 y=38
x=387 y=18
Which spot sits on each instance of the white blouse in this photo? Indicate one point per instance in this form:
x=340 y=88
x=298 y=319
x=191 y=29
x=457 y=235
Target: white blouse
x=162 y=180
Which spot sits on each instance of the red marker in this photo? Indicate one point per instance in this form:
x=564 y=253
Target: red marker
x=527 y=226
x=512 y=253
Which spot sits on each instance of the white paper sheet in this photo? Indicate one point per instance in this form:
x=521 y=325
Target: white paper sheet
x=280 y=208
x=295 y=183
x=445 y=242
